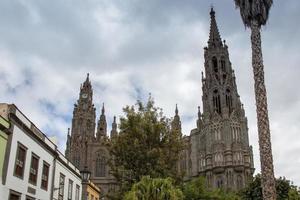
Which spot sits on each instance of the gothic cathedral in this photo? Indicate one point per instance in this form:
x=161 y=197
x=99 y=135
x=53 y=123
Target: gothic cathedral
x=218 y=148
x=85 y=148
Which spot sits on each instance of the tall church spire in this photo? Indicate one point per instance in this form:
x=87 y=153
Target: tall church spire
x=220 y=94
x=102 y=125
x=176 y=123
x=114 y=131
x=84 y=114
x=220 y=140
x=68 y=144
x=214 y=35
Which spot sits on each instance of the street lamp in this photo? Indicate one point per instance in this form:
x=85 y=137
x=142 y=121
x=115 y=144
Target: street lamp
x=85 y=174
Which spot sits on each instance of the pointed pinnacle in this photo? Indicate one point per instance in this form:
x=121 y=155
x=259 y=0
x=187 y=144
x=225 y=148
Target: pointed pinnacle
x=199 y=112
x=176 y=110
x=87 y=80
x=114 y=119
x=68 y=131
x=103 y=109
x=214 y=35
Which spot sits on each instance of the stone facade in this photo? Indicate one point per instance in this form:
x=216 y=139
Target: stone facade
x=218 y=148
x=84 y=146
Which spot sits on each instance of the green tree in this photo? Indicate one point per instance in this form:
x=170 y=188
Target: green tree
x=285 y=190
x=154 y=189
x=145 y=146
x=255 y=14
x=196 y=189
x=294 y=193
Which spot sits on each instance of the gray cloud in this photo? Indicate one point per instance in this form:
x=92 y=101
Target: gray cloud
x=132 y=48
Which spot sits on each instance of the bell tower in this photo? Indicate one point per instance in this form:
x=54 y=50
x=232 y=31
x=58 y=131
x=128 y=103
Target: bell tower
x=84 y=113
x=220 y=148
x=83 y=126
x=220 y=94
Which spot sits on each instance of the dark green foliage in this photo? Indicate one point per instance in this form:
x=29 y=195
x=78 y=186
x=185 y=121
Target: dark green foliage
x=154 y=189
x=146 y=146
x=251 y=10
x=196 y=189
x=284 y=190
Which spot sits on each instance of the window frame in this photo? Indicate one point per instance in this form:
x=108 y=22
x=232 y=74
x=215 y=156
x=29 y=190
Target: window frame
x=33 y=156
x=23 y=147
x=12 y=192
x=101 y=167
x=77 y=192
x=29 y=198
x=61 y=186
x=70 y=192
x=47 y=181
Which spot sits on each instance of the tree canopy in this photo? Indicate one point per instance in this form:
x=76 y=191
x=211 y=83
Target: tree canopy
x=154 y=189
x=284 y=190
x=254 y=10
x=146 y=146
x=197 y=189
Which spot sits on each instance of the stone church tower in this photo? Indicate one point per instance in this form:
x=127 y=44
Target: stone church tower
x=219 y=146
x=84 y=146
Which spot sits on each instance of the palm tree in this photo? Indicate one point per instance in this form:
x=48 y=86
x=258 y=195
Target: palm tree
x=157 y=188
x=255 y=14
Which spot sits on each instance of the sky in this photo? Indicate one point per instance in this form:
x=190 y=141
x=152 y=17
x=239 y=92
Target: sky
x=136 y=47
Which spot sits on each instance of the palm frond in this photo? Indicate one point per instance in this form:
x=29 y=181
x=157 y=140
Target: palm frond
x=257 y=10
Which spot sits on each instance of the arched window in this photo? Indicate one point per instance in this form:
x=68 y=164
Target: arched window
x=219 y=182
x=76 y=160
x=223 y=64
x=183 y=165
x=100 y=166
x=228 y=100
x=239 y=182
x=217 y=134
x=215 y=64
x=217 y=102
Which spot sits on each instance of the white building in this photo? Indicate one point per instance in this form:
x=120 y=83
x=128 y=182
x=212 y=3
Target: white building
x=33 y=167
x=67 y=180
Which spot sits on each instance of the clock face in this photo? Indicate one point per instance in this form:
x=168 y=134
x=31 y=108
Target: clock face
x=84 y=95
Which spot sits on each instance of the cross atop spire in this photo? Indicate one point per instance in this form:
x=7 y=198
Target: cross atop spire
x=214 y=35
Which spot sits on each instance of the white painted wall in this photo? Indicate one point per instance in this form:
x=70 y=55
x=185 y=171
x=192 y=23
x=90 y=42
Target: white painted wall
x=56 y=166
x=21 y=185
x=61 y=167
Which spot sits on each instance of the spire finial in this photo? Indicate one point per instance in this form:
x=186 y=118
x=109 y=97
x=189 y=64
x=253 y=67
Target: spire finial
x=115 y=119
x=176 y=110
x=214 y=35
x=87 y=82
x=212 y=12
x=103 y=109
x=68 y=131
x=199 y=112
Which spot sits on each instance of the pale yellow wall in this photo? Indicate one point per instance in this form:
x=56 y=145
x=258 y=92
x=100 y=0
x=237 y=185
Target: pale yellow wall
x=92 y=192
x=3 y=143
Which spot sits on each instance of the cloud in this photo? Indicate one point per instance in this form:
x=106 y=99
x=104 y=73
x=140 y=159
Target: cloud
x=132 y=48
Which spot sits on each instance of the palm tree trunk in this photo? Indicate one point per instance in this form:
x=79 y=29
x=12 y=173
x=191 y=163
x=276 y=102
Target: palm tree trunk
x=266 y=158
